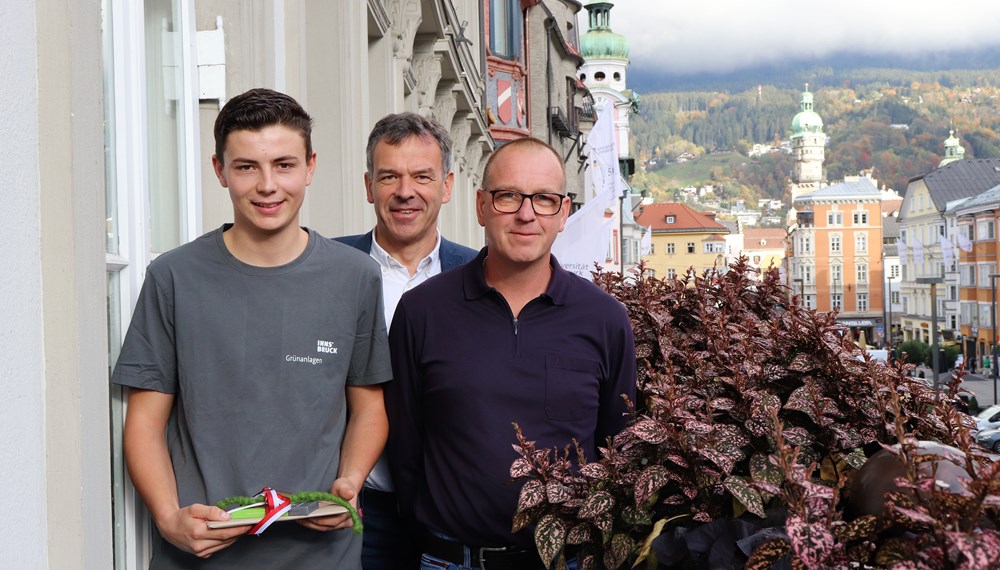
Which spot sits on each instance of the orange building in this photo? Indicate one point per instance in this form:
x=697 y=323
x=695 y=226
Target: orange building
x=835 y=254
x=976 y=237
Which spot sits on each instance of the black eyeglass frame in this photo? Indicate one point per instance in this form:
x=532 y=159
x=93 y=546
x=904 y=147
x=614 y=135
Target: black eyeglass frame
x=529 y=197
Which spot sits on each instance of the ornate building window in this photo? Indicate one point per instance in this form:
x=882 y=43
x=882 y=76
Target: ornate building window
x=505 y=28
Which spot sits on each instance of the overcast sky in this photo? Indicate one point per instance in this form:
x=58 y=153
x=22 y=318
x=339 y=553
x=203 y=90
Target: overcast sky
x=718 y=36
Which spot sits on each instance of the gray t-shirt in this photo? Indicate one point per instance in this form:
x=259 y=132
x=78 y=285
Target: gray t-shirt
x=258 y=359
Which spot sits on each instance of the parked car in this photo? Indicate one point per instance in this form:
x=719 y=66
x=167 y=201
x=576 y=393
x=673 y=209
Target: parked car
x=989 y=418
x=990 y=439
x=971 y=403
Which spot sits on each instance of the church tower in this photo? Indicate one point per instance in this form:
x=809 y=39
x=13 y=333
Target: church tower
x=952 y=150
x=808 y=148
x=605 y=67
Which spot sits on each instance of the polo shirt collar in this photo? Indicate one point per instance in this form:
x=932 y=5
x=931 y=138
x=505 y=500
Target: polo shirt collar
x=476 y=287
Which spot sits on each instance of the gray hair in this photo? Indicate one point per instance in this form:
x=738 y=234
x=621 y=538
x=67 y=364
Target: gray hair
x=395 y=128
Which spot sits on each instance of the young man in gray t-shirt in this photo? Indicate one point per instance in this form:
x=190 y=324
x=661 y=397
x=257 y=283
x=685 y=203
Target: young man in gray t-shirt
x=255 y=358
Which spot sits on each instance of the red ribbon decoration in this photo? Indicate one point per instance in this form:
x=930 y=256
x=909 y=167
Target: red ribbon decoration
x=277 y=505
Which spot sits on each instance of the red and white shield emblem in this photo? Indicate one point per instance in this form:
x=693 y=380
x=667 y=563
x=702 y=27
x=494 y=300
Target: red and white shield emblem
x=504 y=100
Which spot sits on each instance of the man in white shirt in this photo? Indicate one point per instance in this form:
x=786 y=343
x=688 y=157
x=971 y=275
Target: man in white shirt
x=408 y=179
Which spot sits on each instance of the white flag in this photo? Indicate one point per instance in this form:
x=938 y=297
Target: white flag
x=646 y=243
x=901 y=247
x=963 y=242
x=602 y=153
x=586 y=237
x=918 y=251
x=947 y=251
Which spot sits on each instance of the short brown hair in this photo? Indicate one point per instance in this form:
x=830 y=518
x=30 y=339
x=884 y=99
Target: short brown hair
x=259 y=108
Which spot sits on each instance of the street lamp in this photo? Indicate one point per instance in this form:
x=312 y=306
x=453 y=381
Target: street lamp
x=993 y=332
x=933 y=282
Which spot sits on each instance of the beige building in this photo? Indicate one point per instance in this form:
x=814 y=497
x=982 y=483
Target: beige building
x=764 y=248
x=922 y=230
x=682 y=239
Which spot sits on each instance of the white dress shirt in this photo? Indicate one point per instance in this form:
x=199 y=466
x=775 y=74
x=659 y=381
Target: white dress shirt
x=396 y=280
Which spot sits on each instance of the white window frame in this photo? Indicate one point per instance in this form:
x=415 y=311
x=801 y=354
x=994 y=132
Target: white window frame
x=985 y=230
x=861 y=242
x=126 y=91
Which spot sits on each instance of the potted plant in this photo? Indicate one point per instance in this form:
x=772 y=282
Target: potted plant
x=755 y=417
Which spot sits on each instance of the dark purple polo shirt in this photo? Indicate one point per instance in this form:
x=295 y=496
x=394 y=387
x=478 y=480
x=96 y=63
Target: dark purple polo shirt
x=464 y=369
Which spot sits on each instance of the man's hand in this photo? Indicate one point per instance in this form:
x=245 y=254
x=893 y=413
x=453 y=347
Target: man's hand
x=188 y=530
x=344 y=489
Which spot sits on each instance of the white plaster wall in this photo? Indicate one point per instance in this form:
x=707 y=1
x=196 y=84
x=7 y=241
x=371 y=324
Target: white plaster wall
x=22 y=468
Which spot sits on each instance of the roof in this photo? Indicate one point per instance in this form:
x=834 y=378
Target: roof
x=961 y=179
x=988 y=198
x=686 y=219
x=890 y=227
x=863 y=187
x=764 y=238
x=891 y=206
x=732 y=225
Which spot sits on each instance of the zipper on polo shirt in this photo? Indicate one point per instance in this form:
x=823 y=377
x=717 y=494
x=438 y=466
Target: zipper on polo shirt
x=515 y=327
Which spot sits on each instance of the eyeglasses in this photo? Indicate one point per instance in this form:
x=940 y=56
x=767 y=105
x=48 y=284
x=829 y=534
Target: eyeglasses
x=543 y=203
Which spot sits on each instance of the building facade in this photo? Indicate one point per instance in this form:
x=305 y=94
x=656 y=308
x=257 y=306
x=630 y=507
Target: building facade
x=925 y=233
x=890 y=264
x=682 y=239
x=110 y=114
x=764 y=248
x=836 y=257
x=605 y=74
x=975 y=235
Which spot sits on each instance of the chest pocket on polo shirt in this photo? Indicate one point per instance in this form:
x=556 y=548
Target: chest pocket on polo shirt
x=572 y=387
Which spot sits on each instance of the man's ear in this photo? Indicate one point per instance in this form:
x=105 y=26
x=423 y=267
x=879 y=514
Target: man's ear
x=217 y=166
x=482 y=202
x=448 y=182
x=564 y=212
x=368 y=189
x=310 y=168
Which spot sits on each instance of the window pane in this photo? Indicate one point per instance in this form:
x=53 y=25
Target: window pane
x=118 y=515
x=500 y=32
x=110 y=180
x=164 y=79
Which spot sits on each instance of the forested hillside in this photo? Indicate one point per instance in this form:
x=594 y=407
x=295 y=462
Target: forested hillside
x=890 y=120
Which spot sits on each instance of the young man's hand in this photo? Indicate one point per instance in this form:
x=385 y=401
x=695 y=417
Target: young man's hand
x=345 y=489
x=188 y=530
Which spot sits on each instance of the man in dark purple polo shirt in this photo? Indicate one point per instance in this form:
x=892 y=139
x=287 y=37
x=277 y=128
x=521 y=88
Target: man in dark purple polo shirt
x=508 y=337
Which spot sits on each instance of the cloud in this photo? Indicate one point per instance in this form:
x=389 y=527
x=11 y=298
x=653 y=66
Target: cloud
x=726 y=35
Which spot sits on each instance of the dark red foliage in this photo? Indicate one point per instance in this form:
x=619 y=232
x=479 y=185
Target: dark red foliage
x=750 y=403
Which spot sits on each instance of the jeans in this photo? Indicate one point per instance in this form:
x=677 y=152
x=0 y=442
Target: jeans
x=386 y=542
